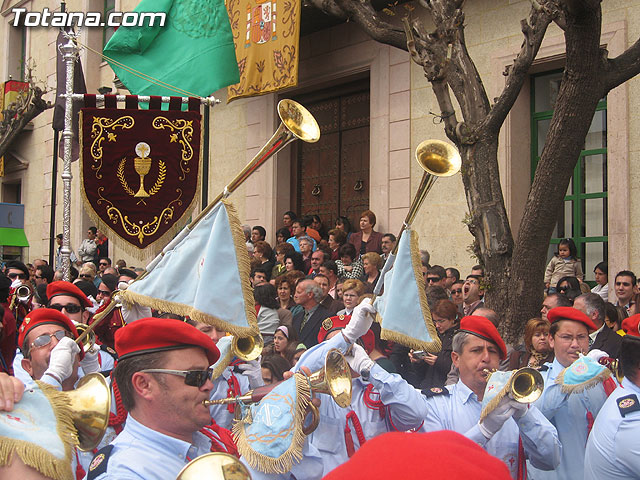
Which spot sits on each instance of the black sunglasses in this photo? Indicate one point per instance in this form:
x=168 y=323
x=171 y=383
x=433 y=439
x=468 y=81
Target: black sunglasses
x=21 y=276
x=105 y=264
x=433 y=279
x=193 y=378
x=70 y=307
x=457 y=290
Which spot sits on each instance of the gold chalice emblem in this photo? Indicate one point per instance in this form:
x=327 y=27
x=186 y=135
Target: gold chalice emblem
x=142 y=165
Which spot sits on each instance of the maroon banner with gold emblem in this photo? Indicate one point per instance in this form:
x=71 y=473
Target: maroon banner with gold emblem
x=140 y=169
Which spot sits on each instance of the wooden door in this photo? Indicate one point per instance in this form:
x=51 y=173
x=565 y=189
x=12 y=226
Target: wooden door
x=333 y=174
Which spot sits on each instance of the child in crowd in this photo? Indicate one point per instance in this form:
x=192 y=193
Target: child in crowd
x=564 y=264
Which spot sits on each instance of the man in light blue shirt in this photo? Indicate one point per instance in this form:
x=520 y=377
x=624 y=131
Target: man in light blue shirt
x=613 y=448
x=571 y=414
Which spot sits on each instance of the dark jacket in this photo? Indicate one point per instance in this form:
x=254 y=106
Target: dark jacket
x=429 y=376
x=309 y=334
x=332 y=305
x=608 y=341
x=374 y=244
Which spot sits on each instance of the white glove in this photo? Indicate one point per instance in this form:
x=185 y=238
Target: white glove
x=62 y=359
x=253 y=372
x=596 y=354
x=361 y=320
x=16 y=283
x=506 y=409
x=90 y=362
x=132 y=312
x=358 y=359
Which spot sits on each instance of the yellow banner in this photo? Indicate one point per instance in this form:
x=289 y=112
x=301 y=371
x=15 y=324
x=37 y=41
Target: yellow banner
x=266 y=36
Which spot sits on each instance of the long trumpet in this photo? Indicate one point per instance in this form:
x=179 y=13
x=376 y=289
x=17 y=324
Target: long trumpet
x=525 y=385
x=215 y=466
x=437 y=159
x=333 y=379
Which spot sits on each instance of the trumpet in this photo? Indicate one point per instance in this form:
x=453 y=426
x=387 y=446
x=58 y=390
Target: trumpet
x=525 y=385
x=217 y=466
x=247 y=348
x=333 y=379
x=88 y=340
x=23 y=293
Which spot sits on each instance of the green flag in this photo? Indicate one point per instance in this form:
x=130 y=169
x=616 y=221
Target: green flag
x=193 y=50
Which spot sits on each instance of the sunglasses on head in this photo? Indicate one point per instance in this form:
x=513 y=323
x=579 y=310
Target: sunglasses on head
x=44 y=340
x=193 y=378
x=21 y=276
x=69 y=307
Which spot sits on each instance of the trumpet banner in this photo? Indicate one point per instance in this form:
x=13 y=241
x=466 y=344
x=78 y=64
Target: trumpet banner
x=140 y=170
x=266 y=37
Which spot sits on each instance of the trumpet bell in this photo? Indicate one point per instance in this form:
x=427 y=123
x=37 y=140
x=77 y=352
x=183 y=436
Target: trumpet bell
x=23 y=293
x=247 y=348
x=90 y=340
x=299 y=121
x=438 y=158
x=526 y=385
x=90 y=405
x=334 y=379
x=216 y=466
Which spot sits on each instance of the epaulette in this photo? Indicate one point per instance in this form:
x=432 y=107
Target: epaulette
x=628 y=404
x=543 y=368
x=435 y=391
x=99 y=463
x=109 y=350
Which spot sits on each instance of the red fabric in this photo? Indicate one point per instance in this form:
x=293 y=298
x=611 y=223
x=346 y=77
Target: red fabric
x=483 y=328
x=631 y=325
x=8 y=342
x=117 y=421
x=80 y=473
x=106 y=330
x=609 y=386
x=44 y=316
x=232 y=391
x=415 y=456
x=153 y=334
x=222 y=441
x=570 y=313
x=371 y=403
x=348 y=439
x=522 y=461
x=140 y=211
x=67 y=288
x=590 y=421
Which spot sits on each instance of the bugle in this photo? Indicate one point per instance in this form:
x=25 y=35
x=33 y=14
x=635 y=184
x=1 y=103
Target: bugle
x=247 y=348
x=525 y=385
x=215 y=466
x=333 y=379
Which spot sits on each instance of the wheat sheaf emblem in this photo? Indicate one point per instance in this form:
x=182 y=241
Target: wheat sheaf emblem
x=142 y=165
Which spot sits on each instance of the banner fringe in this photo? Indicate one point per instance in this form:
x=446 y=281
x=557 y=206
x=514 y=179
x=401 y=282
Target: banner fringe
x=586 y=385
x=38 y=457
x=222 y=364
x=147 y=253
x=284 y=462
x=493 y=403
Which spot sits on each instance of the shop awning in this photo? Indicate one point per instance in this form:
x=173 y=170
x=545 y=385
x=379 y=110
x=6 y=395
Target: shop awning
x=13 y=237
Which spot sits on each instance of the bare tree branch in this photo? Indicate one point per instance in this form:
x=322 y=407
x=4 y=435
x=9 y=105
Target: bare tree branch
x=622 y=68
x=534 y=31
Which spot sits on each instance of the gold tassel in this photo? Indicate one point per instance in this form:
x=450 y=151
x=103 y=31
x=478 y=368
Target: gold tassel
x=284 y=462
x=493 y=403
x=581 y=387
x=222 y=364
x=38 y=457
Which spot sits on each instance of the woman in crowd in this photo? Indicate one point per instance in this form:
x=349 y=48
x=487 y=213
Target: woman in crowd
x=285 y=288
x=337 y=238
x=601 y=272
x=431 y=370
x=282 y=235
x=344 y=224
x=89 y=273
x=371 y=264
x=352 y=290
x=569 y=286
x=613 y=319
x=367 y=239
x=293 y=261
x=263 y=252
x=273 y=368
x=266 y=307
x=537 y=344
x=285 y=342
x=279 y=268
x=348 y=266
x=299 y=351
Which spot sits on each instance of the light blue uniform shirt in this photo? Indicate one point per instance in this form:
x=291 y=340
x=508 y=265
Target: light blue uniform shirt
x=568 y=413
x=400 y=413
x=221 y=413
x=613 y=448
x=460 y=411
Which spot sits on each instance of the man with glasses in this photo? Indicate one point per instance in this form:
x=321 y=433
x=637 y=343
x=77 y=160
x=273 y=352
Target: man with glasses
x=17 y=272
x=69 y=299
x=44 y=275
x=472 y=294
x=456 y=294
x=436 y=275
x=571 y=414
x=103 y=264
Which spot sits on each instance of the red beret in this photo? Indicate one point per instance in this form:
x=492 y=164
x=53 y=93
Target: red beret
x=631 y=325
x=338 y=323
x=149 y=335
x=413 y=456
x=67 y=288
x=570 y=313
x=44 y=316
x=483 y=328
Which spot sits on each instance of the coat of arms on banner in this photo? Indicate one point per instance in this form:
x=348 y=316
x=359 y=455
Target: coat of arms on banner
x=140 y=171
